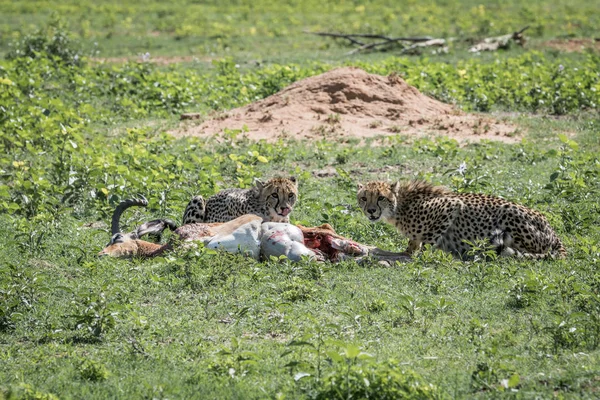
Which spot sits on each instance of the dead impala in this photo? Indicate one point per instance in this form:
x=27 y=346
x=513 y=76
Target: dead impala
x=247 y=235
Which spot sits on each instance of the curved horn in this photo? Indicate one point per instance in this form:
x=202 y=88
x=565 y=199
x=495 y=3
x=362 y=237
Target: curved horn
x=125 y=204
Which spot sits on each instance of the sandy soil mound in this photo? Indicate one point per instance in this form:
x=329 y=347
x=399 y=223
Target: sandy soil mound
x=349 y=102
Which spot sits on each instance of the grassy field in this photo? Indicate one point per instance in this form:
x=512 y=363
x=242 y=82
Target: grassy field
x=267 y=31
x=78 y=136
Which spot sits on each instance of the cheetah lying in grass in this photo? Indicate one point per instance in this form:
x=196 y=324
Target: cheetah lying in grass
x=272 y=200
x=451 y=221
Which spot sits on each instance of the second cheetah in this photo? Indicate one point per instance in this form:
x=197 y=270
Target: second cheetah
x=451 y=221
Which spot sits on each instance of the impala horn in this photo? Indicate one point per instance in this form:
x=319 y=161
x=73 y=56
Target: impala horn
x=124 y=205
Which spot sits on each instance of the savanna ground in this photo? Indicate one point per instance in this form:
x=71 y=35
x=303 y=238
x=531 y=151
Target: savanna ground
x=78 y=135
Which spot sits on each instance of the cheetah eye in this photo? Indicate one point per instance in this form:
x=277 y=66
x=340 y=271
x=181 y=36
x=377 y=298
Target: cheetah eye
x=274 y=195
x=363 y=199
x=380 y=198
x=291 y=196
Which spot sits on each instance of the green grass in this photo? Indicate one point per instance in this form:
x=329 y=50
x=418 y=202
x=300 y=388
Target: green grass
x=77 y=137
x=181 y=323
x=272 y=31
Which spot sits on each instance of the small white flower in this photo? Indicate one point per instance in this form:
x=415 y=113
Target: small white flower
x=146 y=57
x=462 y=168
x=561 y=68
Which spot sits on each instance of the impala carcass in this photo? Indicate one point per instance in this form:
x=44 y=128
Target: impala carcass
x=247 y=235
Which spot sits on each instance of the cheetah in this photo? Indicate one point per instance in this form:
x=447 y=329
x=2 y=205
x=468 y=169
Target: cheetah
x=272 y=200
x=449 y=221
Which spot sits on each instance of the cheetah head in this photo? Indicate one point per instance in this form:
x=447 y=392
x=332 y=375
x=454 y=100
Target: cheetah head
x=377 y=199
x=278 y=196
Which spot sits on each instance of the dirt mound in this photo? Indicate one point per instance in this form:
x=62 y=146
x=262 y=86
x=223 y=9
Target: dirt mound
x=349 y=102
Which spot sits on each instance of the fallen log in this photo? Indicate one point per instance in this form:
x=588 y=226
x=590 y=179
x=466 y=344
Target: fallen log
x=385 y=41
x=500 y=42
x=414 y=45
x=187 y=116
x=418 y=47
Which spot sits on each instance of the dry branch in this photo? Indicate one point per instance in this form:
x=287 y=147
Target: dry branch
x=420 y=42
x=353 y=38
x=371 y=36
x=442 y=43
x=500 y=42
x=190 y=116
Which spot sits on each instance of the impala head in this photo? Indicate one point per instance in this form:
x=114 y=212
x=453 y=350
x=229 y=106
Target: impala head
x=377 y=199
x=278 y=196
x=128 y=244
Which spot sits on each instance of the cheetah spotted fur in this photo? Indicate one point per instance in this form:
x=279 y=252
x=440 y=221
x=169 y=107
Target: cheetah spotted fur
x=272 y=200
x=435 y=215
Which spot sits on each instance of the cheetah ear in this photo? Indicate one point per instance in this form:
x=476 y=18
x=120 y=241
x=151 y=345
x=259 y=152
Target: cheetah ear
x=395 y=187
x=259 y=184
x=359 y=186
x=294 y=180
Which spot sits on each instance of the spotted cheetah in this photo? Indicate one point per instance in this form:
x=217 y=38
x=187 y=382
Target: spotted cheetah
x=447 y=220
x=272 y=200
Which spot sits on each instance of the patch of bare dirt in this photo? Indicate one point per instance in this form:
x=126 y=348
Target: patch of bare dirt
x=349 y=102
x=573 y=45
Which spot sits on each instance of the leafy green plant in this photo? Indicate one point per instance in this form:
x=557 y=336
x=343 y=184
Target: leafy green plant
x=309 y=349
x=469 y=178
x=576 y=171
x=21 y=289
x=26 y=391
x=486 y=378
x=53 y=39
x=529 y=288
x=368 y=379
x=93 y=371
x=94 y=314
x=232 y=361
x=297 y=289
x=376 y=306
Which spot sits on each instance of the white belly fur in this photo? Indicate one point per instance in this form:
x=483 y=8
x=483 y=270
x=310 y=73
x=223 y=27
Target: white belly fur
x=255 y=239
x=244 y=240
x=282 y=239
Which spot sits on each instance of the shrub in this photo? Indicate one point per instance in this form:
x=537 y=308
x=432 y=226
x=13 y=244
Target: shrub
x=54 y=40
x=376 y=381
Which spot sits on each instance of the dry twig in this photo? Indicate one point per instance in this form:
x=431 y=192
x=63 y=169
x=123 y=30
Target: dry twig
x=500 y=42
x=420 y=42
x=353 y=38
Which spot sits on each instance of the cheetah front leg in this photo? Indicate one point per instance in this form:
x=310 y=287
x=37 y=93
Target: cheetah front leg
x=442 y=233
x=438 y=231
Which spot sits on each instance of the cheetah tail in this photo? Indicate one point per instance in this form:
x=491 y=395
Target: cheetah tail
x=558 y=251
